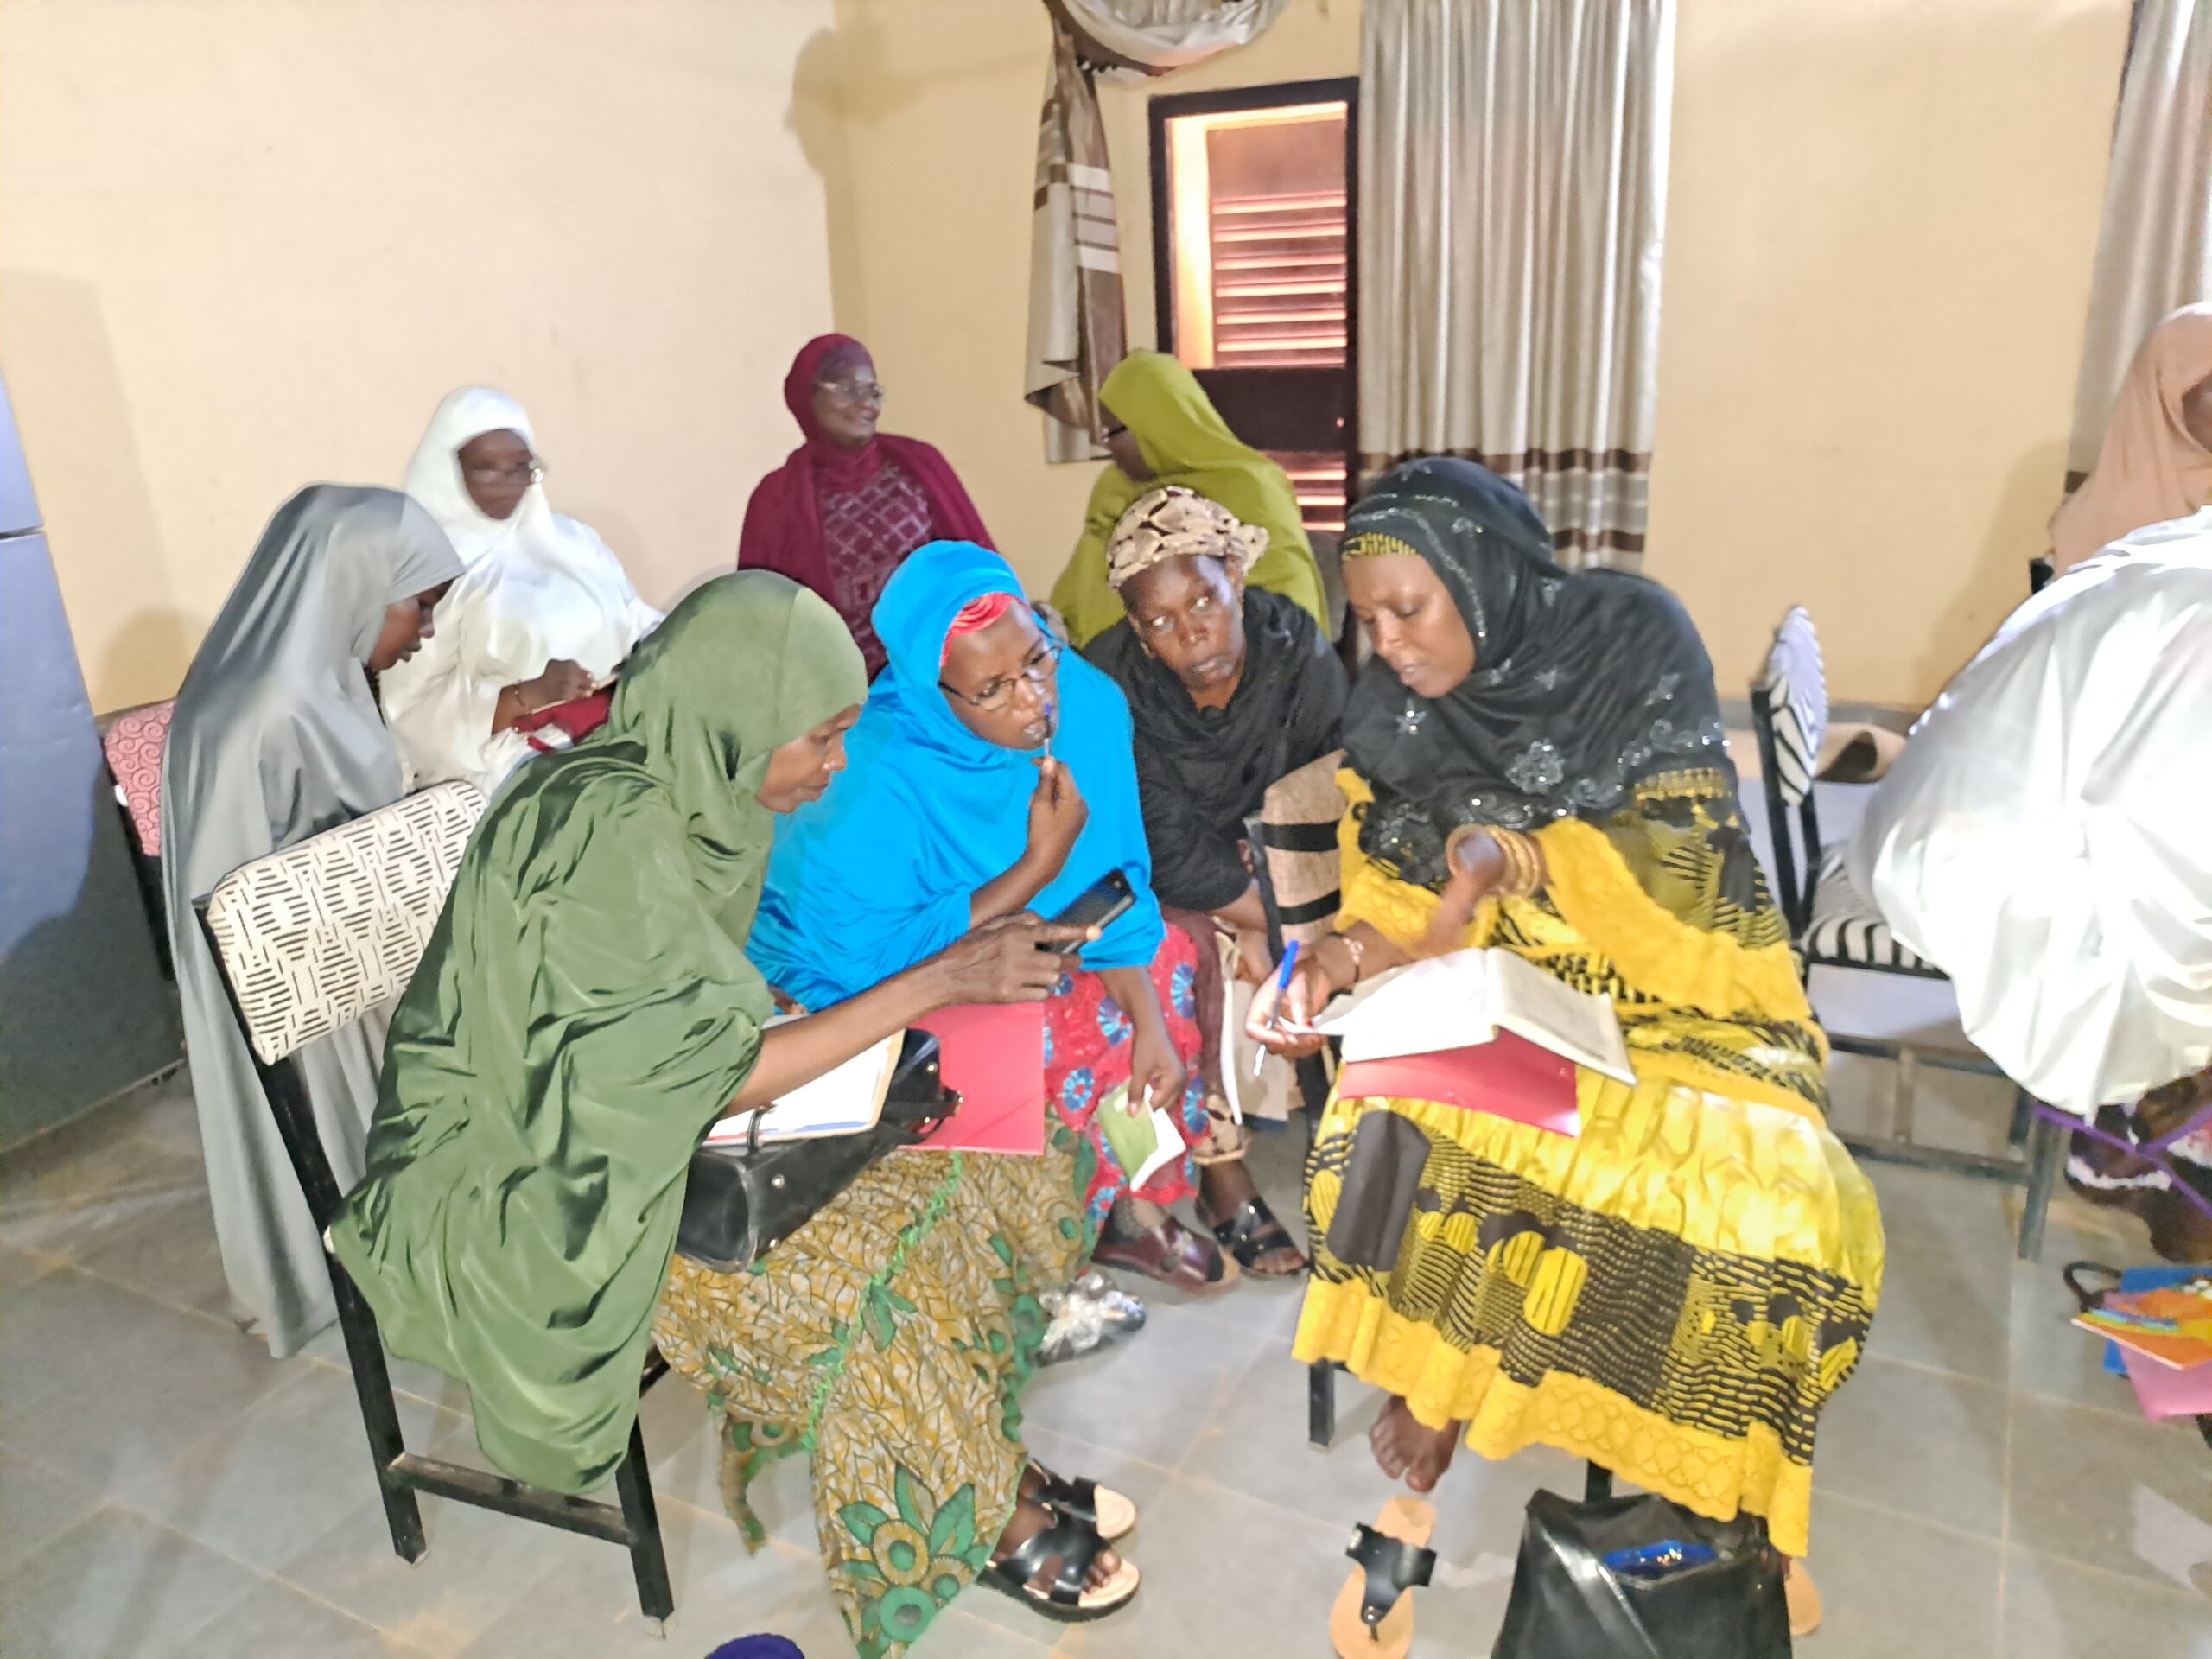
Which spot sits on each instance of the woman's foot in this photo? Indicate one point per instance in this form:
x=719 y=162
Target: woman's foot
x=1409 y=1449
x=1067 y=1572
x=1254 y=1236
x=1169 y=1252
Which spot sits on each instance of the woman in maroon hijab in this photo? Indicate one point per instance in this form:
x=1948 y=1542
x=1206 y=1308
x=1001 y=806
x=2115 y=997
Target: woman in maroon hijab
x=851 y=503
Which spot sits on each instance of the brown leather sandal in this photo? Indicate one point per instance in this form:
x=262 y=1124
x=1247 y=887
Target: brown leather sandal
x=1171 y=1254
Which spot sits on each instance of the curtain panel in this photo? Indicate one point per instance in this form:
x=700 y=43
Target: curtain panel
x=2154 y=247
x=1077 y=331
x=1512 y=209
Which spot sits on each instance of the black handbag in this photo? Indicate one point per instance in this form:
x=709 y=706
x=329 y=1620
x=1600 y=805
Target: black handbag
x=1640 y=1577
x=740 y=1202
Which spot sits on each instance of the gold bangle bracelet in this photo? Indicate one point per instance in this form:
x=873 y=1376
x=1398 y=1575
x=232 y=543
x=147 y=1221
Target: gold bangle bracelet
x=1523 y=864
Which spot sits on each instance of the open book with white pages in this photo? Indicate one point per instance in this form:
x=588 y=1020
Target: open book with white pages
x=1466 y=998
x=843 y=1100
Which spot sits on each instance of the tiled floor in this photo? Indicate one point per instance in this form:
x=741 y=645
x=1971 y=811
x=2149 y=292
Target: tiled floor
x=1982 y=1488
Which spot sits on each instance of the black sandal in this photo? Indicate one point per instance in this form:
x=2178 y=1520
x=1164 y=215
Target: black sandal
x=1075 y=1543
x=1253 y=1232
x=1372 y=1618
x=1084 y=1500
x=1394 y=1566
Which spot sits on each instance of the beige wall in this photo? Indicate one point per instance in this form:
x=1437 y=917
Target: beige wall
x=941 y=102
x=1881 y=221
x=244 y=245
x=248 y=243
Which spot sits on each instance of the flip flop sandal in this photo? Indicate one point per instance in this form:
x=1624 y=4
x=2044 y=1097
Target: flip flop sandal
x=1086 y=1501
x=1254 y=1232
x=1372 y=1618
x=1803 y=1598
x=1173 y=1254
x=1068 y=1600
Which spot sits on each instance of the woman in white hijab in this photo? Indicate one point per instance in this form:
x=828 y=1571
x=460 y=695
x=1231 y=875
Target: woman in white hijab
x=2042 y=838
x=543 y=617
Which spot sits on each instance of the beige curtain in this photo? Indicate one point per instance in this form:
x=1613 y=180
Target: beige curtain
x=1077 y=329
x=1513 y=181
x=2154 y=250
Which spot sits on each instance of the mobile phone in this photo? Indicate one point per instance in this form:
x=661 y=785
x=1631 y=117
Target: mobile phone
x=1098 y=904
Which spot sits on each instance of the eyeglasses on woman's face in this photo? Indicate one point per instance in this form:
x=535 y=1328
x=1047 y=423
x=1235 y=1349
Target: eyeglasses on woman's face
x=849 y=390
x=1038 y=667
x=521 y=473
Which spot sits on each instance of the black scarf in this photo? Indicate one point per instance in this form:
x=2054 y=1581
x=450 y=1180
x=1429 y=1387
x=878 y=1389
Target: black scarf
x=1584 y=681
x=1200 y=771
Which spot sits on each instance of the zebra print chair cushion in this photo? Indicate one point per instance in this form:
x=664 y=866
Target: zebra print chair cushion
x=1847 y=928
x=1298 y=836
x=314 y=936
x=1797 y=690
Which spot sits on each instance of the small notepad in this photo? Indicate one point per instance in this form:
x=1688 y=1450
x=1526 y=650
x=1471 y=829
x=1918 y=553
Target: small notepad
x=1145 y=1141
x=842 y=1101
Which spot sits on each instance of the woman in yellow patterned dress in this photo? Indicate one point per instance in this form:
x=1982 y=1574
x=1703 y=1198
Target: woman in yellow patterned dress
x=1535 y=762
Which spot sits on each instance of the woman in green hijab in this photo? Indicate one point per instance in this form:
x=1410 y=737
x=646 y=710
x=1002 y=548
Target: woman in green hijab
x=585 y=1011
x=1167 y=431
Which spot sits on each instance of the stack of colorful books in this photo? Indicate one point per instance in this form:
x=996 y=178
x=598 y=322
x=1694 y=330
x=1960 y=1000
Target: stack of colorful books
x=2158 y=1325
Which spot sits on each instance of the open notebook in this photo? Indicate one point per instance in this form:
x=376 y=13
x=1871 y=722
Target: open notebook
x=841 y=1101
x=1467 y=998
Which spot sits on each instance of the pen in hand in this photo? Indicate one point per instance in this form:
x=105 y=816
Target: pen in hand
x=1282 y=984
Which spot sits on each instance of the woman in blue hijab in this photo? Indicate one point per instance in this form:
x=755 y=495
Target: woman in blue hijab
x=991 y=771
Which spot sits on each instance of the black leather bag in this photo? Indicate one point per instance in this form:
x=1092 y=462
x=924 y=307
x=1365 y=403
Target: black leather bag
x=740 y=1202
x=1568 y=1604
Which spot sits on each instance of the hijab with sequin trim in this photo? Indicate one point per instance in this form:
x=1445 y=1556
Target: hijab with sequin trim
x=1585 y=681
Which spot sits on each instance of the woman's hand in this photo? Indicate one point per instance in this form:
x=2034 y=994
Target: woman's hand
x=1253 y=963
x=1056 y=815
x=562 y=682
x=1002 y=960
x=1156 y=1073
x=1311 y=987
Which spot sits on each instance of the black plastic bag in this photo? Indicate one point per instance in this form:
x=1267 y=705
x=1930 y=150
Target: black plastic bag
x=1719 y=1598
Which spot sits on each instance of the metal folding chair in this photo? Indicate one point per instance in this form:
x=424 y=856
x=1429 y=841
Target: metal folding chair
x=1835 y=925
x=310 y=939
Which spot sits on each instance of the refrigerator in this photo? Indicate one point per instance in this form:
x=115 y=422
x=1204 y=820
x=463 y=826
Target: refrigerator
x=85 y=1013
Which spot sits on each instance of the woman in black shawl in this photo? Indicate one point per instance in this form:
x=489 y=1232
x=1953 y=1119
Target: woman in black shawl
x=1229 y=687
x=1536 y=763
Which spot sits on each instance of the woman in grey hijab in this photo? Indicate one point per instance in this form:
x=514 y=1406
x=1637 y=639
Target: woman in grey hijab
x=277 y=737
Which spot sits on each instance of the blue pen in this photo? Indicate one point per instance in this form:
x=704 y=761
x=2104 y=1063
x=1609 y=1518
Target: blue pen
x=1282 y=984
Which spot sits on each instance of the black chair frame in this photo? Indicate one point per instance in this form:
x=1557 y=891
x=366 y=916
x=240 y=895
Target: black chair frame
x=1313 y=1089
x=1797 y=850
x=632 y=1522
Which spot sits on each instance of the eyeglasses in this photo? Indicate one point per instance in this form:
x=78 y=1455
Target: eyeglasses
x=523 y=473
x=1036 y=667
x=851 y=392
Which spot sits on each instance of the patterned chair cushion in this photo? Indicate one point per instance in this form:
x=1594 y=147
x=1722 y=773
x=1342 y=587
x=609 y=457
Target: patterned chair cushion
x=1298 y=828
x=314 y=936
x=1797 y=691
x=135 y=740
x=1847 y=928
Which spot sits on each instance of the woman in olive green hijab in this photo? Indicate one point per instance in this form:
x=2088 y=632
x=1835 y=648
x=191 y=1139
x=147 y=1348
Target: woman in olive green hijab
x=1167 y=431
x=583 y=1014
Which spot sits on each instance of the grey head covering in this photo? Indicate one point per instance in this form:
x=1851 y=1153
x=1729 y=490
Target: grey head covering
x=275 y=738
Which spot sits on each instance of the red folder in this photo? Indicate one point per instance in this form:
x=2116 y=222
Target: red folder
x=1508 y=1077
x=993 y=1056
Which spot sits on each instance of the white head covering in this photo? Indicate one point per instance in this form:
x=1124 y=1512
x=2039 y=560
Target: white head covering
x=434 y=476
x=539 y=586
x=2042 y=839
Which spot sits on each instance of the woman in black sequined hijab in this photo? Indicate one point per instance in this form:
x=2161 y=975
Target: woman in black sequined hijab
x=1536 y=770
x=1584 y=682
